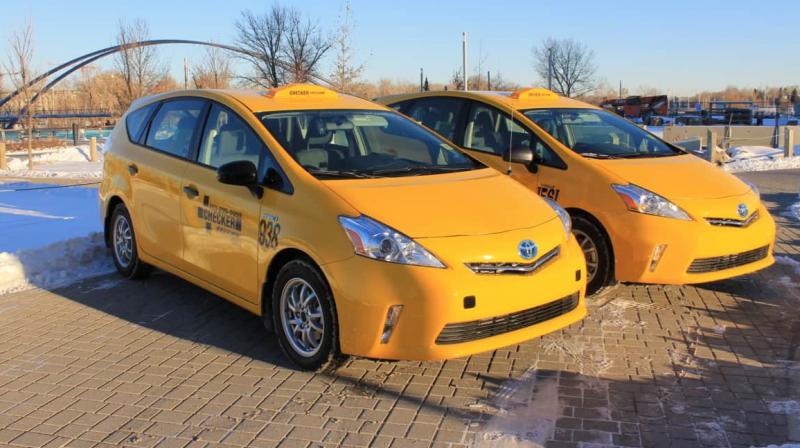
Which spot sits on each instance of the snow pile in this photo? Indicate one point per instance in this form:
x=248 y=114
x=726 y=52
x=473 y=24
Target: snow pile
x=760 y=158
x=55 y=265
x=71 y=162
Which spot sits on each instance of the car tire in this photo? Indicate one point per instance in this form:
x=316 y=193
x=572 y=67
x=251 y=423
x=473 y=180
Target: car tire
x=304 y=317
x=123 y=245
x=597 y=250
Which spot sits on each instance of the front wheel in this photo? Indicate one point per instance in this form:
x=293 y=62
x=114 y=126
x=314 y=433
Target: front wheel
x=597 y=251
x=303 y=316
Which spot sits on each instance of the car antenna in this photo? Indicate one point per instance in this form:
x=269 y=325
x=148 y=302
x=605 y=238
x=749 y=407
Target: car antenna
x=510 y=138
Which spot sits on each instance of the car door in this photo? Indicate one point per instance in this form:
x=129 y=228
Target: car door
x=488 y=133
x=156 y=172
x=219 y=222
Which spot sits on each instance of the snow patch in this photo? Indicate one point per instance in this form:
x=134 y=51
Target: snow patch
x=529 y=408
x=72 y=162
x=794 y=211
x=785 y=445
x=789 y=261
x=55 y=265
x=105 y=284
x=784 y=407
x=11 y=210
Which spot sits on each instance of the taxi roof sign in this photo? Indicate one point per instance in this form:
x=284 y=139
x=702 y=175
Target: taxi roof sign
x=533 y=93
x=301 y=91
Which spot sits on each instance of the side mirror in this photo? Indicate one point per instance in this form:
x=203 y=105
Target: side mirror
x=240 y=172
x=243 y=173
x=519 y=154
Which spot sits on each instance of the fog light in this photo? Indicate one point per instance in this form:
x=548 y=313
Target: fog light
x=392 y=316
x=658 y=251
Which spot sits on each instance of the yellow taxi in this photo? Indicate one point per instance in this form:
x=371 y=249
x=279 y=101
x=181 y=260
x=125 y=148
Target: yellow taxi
x=642 y=210
x=348 y=227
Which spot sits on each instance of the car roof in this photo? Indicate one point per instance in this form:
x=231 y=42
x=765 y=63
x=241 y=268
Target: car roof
x=521 y=99
x=284 y=98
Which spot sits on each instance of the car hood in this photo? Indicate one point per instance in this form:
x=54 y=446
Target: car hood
x=476 y=202
x=680 y=177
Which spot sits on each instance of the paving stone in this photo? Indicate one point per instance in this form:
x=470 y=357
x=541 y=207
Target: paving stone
x=651 y=365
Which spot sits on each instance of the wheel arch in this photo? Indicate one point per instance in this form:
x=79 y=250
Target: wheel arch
x=113 y=201
x=280 y=259
x=574 y=211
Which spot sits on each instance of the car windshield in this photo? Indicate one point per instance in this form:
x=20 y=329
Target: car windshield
x=599 y=134
x=333 y=144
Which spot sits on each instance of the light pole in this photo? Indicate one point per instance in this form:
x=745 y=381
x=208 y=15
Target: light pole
x=464 y=61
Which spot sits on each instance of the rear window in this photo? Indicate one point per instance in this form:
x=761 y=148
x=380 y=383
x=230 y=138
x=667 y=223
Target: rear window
x=137 y=120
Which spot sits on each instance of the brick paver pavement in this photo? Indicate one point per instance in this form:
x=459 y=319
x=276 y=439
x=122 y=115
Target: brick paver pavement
x=163 y=363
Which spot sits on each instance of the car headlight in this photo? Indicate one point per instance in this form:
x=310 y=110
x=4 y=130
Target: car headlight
x=754 y=188
x=566 y=221
x=372 y=239
x=639 y=200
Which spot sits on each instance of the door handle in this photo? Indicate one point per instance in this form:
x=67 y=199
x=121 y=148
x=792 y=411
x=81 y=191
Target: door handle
x=133 y=169
x=191 y=191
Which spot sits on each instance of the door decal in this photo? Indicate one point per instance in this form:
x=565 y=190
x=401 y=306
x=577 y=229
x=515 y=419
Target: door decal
x=219 y=218
x=548 y=191
x=269 y=229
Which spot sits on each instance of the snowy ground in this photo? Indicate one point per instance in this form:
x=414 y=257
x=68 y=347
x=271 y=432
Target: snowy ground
x=67 y=162
x=51 y=236
x=760 y=158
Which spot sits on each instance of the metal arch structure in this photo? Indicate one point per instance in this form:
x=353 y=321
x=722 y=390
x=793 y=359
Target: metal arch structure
x=75 y=64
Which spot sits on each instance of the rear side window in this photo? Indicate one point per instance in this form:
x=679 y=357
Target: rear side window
x=439 y=114
x=490 y=131
x=174 y=126
x=137 y=120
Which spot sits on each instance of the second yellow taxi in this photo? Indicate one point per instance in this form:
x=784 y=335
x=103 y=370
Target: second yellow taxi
x=347 y=226
x=643 y=210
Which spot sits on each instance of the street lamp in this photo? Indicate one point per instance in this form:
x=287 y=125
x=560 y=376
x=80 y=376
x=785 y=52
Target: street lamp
x=777 y=132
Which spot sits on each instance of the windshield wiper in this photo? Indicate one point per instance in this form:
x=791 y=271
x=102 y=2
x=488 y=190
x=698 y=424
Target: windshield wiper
x=420 y=169
x=641 y=155
x=342 y=174
x=594 y=155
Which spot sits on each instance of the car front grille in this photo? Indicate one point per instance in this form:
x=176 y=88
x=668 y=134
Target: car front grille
x=478 y=329
x=713 y=264
x=514 y=268
x=728 y=222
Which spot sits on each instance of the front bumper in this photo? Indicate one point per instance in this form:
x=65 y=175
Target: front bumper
x=718 y=252
x=432 y=299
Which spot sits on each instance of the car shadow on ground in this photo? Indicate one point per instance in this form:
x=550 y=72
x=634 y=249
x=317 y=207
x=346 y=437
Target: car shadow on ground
x=710 y=365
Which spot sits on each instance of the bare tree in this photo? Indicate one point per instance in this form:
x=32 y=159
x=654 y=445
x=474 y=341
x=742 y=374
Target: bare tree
x=263 y=36
x=457 y=79
x=346 y=73
x=282 y=45
x=21 y=73
x=214 y=72
x=138 y=66
x=305 y=47
x=569 y=62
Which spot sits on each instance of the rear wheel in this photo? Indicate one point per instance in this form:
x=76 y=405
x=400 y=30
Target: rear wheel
x=303 y=316
x=123 y=245
x=597 y=251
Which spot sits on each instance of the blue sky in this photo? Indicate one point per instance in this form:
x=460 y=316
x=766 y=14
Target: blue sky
x=677 y=46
